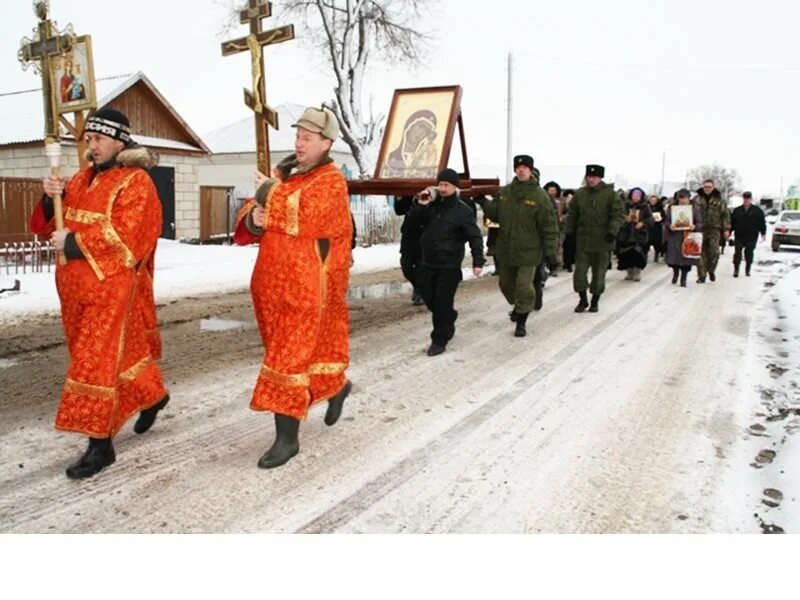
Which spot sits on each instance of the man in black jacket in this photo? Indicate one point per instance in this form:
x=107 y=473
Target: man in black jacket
x=747 y=221
x=447 y=224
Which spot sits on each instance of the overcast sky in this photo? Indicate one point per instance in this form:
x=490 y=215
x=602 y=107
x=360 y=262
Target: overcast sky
x=616 y=82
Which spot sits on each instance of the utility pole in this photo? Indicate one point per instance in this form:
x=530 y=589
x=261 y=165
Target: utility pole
x=663 y=164
x=509 y=140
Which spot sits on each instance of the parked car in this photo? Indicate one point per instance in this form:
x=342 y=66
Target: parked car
x=786 y=229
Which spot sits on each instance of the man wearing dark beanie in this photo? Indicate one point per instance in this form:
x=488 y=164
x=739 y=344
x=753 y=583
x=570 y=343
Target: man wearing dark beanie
x=112 y=220
x=595 y=215
x=528 y=236
x=447 y=224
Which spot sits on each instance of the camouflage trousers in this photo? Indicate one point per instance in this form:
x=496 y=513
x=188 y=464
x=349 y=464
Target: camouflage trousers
x=516 y=283
x=710 y=256
x=598 y=263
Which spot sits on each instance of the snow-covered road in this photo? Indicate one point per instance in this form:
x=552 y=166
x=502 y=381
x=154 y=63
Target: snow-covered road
x=641 y=418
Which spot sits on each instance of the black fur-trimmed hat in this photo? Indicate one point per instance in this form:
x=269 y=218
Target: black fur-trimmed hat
x=523 y=159
x=598 y=170
x=110 y=122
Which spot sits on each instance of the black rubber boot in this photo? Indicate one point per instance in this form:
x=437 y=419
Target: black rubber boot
x=148 y=416
x=435 y=349
x=595 y=301
x=285 y=446
x=538 y=288
x=97 y=457
x=583 y=304
x=335 y=404
x=520 y=328
x=675 y=274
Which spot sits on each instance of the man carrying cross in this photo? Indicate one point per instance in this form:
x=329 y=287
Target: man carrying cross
x=112 y=220
x=301 y=221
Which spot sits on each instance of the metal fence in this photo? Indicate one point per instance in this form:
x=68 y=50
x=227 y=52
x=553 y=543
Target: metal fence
x=375 y=224
x=26 y=257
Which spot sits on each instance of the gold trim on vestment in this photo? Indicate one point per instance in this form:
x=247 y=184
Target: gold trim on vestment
x=86 y=389
x=112 y=237
x=327 y=368
x=117 y=191
x=84 y=216
x=89 y=258
x=284 y=379
x=136 y=370
x=293 y=213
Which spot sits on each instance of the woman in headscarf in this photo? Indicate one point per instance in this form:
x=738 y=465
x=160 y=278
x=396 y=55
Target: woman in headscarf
x=633 y=237
x=674 y=255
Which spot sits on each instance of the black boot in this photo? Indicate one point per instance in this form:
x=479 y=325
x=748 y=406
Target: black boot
x=435 y=349
x=520 y=329
x=416 y=298
x=675 y=273
x=735 y=270
x=538 y=289
x=747 y=269
x=595 y=300
x=335 y=404
x=583 y=304
x=148 y=416
x=712 y=276
x=683 y=278
x=512 y=315
x=701 y=279
x=98 y=456
x=285 y=445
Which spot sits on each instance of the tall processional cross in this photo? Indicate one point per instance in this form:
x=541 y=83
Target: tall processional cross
x=256 y=99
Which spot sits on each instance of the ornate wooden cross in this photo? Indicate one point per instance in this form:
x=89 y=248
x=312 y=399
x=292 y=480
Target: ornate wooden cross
x=257 y=99
x=40 y=52
x=47 y=44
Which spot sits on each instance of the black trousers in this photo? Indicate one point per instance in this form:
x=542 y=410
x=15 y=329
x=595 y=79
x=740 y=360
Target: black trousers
x=409 y=264
x=749 y=250
x=438 y=288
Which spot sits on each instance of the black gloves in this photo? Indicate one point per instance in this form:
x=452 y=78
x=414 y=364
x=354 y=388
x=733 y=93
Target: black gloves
x=610 y=237
x=551 y=262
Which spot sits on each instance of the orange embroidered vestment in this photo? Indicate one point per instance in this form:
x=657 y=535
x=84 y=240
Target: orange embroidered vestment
x=107 y=304
x=299 y=290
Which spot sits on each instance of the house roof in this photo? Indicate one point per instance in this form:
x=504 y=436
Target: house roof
x=22 y=118
x=240 y=137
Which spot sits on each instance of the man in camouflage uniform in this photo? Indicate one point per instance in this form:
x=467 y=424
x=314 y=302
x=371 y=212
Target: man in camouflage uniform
x=716 y=225
x=594 y=216
x=528 y=235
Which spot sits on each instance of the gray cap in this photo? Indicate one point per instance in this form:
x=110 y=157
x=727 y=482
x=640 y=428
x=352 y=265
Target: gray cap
x=319 y=120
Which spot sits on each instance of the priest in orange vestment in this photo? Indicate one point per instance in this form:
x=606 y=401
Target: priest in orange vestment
x=301 y=221
x=112 y=220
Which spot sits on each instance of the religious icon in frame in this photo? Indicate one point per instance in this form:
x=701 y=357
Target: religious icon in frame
x=681 y=217
x=73 y=78
x=419 y=133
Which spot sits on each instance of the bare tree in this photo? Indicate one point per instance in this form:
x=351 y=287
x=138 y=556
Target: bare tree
x=727 y=181
x=350 y=34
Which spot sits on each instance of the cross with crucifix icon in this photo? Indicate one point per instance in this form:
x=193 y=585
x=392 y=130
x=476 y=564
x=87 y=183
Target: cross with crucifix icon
x=47 y=45
x=257 y=99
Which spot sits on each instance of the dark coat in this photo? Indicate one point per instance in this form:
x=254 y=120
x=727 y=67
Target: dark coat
x=674 y=257
x=447 y=224
x=632 y=242
x=747 y=223
x=409 y=235
x=656 y=230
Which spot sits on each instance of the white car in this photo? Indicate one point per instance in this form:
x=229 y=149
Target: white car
x=786 y=229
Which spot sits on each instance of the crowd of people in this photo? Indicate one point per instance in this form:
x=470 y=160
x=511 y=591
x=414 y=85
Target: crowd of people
x=535 y=231
x=300 y=219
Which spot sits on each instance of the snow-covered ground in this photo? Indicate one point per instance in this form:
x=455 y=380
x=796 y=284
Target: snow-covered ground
x=181 y=270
